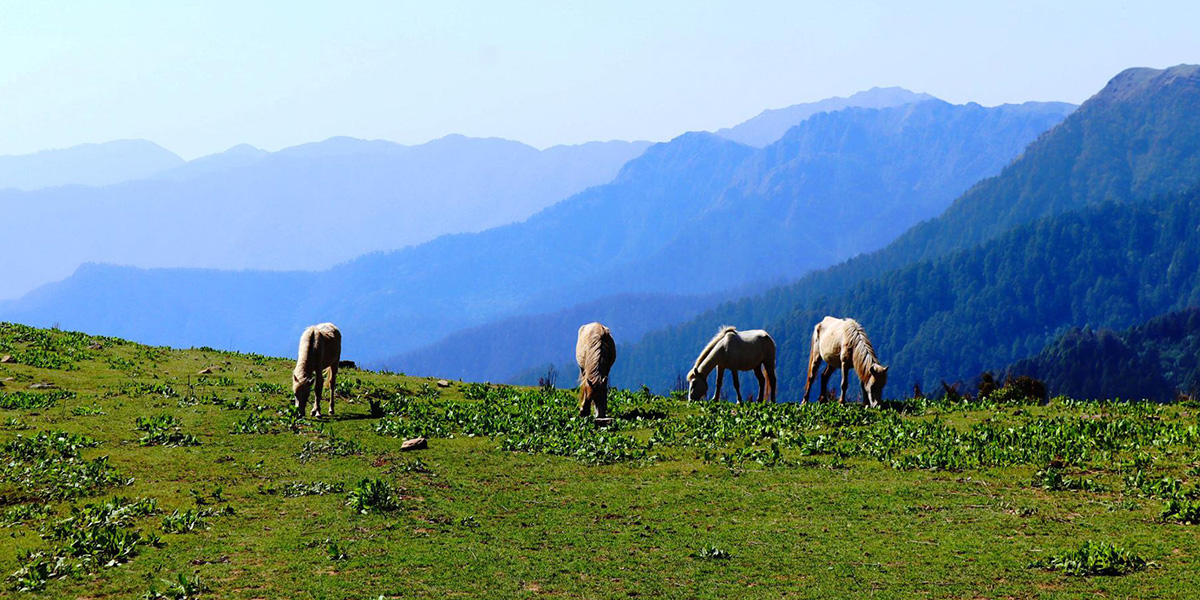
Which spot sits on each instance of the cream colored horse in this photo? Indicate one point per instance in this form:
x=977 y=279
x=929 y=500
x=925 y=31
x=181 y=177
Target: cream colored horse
x=737 y=351
x=320 y=349
x=595 y=351
x=842 y=343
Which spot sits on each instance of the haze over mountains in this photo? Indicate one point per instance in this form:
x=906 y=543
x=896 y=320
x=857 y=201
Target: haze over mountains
x=86 y=164
x=771 y=124
x=834 y=186
x=696 y=215
x=1094 y=224
x=306 y=207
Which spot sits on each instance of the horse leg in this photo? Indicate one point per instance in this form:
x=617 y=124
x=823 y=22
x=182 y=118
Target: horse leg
x=845 y=382
x=584 y=404
x=332 y=387
x=813 y=366
x=720 y=380
x=825 y=381
x=762 y=381
x=601 y=404
x=736 y=387
x=319 y=387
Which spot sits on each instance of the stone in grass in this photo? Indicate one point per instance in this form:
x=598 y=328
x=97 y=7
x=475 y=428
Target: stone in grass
x=419 y=443
x=42 y=386
x=207 y=370
x=442 y=383
x=7 y=358
x=96 y=346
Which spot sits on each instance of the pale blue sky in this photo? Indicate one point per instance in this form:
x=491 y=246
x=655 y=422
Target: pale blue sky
x=198 y=77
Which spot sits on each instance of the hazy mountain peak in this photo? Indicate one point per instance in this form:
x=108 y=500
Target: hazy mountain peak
x=340 y=146
x=86 y=164
x=771 y=124
x=884 y=97
x=241 y=155
x=245 y=150
x=1139 y=81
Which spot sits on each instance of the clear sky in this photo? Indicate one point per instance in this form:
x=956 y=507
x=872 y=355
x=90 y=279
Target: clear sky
x=198 y=77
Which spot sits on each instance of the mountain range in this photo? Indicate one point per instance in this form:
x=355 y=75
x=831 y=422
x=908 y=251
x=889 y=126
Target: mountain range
x=86 y=164
x=1093 y=224
x=302 y=208
x=768 y=126
x=695 y=216
x=836 y=185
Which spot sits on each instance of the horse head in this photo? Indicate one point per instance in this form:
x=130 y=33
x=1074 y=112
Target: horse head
x=300 y=389
x=876 y=379
x=697 y=385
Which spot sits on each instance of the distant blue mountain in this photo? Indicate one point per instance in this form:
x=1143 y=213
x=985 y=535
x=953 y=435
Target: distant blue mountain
x=770 y=125
x=696 y=215
x=307 y=207
x=242 y=155
x=86 y=164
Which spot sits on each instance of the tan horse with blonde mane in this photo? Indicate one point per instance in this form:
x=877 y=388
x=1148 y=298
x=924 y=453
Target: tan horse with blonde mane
x=737 y=351
x=595 y=351
x=842 y=343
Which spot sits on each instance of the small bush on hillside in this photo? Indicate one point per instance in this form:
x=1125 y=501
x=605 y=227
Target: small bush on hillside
x=1053 y=479
x=183 y=522
x=1094 y=558
x=1166 y=487
x=24 y=513
x=49 y=466
x=1181 y=511
x=373 y=495
x=163 y=430
x=183 y=588
x=33 y=400
x=297 y=489
x=94 y=536
x=336 y=550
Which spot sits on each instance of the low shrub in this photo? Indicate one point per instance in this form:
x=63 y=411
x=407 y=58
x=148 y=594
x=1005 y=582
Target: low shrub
x=373 y=495
x=1094 y=558
x=1181 y=511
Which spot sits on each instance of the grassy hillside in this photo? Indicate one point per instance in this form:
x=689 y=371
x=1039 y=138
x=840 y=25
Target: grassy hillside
x=222 y=489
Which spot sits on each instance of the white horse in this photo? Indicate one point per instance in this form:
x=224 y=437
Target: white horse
x=320 y=349
x=842 y=343
x=595 y=351
x=737 y=351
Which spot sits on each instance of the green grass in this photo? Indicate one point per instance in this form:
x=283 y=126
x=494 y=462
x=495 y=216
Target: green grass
x=516 y=499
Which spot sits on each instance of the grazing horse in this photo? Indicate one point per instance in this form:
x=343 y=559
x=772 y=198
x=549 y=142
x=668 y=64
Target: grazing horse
x=320 y=349
x=737 y=351
x=842 y=343
x=595 y=352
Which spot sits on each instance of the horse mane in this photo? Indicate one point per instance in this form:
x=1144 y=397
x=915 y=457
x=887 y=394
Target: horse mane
x=725 y=330
x=601 y=351
x=307 y=351
x=862 y=352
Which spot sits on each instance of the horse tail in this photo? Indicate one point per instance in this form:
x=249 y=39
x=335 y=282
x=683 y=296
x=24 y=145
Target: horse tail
x=814 y=352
